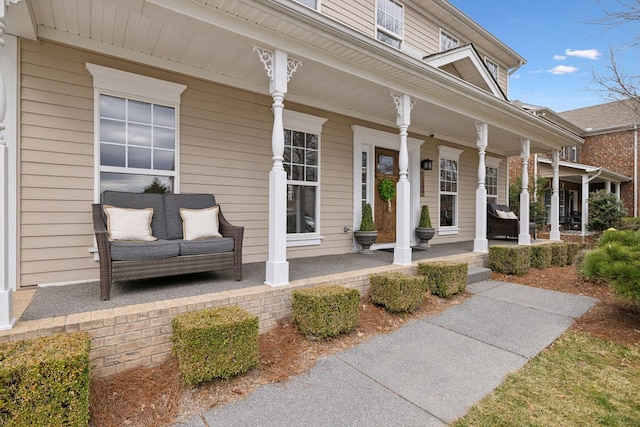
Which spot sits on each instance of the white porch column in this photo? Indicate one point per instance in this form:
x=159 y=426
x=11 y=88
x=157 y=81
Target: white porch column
x=585 y=204
x=524 y=238
x=607 y=186
x=6 y=293
x=481 y=243
x=554 y=234
x=279 y=69
x=402 y=251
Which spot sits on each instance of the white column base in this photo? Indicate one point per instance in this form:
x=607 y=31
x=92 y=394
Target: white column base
x=554 y=235
x=6 y=310
x=277 y=273
x=402 y=256
x=481 y=245
x=524 y=239
x=402 y=251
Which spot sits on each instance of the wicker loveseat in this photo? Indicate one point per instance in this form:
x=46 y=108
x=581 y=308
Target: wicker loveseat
x=501 y=222
x=166 y=252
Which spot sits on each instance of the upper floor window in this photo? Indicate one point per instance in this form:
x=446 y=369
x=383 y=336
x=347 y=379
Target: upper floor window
x=570 y=153
x=302 y=164
x=493 y=68
x=137 y=138
x=390 y=22
x=448 y=41
x=313 y=4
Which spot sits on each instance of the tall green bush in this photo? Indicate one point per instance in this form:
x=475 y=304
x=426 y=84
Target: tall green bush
x=616 y=261
x=605 y=211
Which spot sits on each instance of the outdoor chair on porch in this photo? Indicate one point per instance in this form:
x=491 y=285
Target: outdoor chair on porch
x=501 y=221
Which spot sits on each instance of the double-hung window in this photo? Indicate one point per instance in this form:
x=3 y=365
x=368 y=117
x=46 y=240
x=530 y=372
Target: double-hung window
x=302 y=164
x=449 y=183
x=491 y=178
x=390 y=22
x=137 y=133
x=448 y=41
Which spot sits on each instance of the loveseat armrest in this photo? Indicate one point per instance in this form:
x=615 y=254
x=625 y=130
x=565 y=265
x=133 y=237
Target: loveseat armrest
x=104 y=250
x=237 y=233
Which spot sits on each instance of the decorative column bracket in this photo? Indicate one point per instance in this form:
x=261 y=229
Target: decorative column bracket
x=266 y=57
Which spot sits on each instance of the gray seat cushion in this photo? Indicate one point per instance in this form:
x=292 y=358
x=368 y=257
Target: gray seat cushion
x=140 y=201
x=133 y=251
x=206 y=246
x=172 y=205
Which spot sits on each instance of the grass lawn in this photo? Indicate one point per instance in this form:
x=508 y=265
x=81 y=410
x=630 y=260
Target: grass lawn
x=578 y=381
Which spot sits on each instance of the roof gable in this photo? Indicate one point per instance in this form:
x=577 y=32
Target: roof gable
x=465 y=63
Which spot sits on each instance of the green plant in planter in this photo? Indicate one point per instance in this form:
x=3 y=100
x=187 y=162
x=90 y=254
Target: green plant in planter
x=367 y=234
x=425 y=219
x=366 y=223
x=424 y=231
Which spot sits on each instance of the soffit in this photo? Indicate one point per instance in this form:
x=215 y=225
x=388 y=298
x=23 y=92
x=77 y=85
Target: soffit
x=342 y=71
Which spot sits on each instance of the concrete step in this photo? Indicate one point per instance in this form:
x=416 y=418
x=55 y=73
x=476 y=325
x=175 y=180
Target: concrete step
x=478 y=274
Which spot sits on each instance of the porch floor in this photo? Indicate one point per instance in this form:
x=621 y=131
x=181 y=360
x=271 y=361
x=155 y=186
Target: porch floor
x=53 y=301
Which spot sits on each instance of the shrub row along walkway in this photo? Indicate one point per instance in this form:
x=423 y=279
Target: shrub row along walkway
x=428 y=373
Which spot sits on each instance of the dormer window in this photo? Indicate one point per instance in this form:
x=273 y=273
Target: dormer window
x=390 y=22
x=493 y=68
x=448 y=41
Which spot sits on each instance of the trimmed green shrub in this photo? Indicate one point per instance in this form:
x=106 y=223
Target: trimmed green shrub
x=444 y=279
x=397 y=292
x=366 y=222
x=559 y=254
x=630 y=223
x=325 y=311
x=515 y=260
x=616 y=261
x=541 y=256
x=215 y=343
x=572 y=251
x=45 y=381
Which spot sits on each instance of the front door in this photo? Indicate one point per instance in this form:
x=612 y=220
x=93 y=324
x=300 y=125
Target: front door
x=385 y=211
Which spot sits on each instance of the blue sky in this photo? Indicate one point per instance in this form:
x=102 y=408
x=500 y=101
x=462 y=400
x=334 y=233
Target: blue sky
x=561 y=45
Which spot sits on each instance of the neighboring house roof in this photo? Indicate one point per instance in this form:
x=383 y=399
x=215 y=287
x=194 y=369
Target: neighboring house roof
x=605 y=117
x=570 y=171
x=551 y=116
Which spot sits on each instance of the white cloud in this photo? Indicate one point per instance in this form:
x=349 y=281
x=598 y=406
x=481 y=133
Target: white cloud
x=559 y=57
x=536 y=71
x=587 y=53
x=563 y=69
x=515 y=76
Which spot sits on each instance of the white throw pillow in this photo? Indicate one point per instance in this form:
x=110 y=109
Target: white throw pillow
x=129 y=224
x=199 y=223
x=501 y=214
x=511 y=215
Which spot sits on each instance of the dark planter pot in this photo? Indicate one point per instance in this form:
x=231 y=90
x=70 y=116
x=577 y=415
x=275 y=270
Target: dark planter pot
x=365 y=239
x=424 y=235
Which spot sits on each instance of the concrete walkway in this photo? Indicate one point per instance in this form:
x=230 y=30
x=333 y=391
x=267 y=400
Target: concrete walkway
x=427 y=373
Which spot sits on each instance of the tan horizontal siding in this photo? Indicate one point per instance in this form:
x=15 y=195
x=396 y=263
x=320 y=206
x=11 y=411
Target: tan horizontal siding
x=420 y=32
x=358 y=14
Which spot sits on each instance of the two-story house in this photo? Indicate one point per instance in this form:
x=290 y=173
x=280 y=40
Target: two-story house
x=280 y=108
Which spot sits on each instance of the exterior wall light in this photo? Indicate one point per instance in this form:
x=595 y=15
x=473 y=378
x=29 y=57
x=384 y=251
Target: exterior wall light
x=426 y=164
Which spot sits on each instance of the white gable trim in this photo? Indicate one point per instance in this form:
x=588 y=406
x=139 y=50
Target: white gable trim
x=466 y=52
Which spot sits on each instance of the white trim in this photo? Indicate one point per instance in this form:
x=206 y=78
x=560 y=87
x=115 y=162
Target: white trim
x=492 y=162
x=449 y=153
x=366 y=140
x=10 y=64
x=307 y=123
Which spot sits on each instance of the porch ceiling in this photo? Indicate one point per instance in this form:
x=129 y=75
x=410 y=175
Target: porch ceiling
x=343 y=70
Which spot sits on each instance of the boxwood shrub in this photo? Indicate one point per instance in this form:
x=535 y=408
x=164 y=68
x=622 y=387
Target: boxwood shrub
x=215 y=343
x=541 y=256
x=444 y=279
x=515 y=260
x=397 y=292
x=325 y=311
x=45 y=381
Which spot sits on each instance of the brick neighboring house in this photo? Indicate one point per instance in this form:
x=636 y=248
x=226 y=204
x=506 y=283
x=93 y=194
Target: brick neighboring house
x=608 y=158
